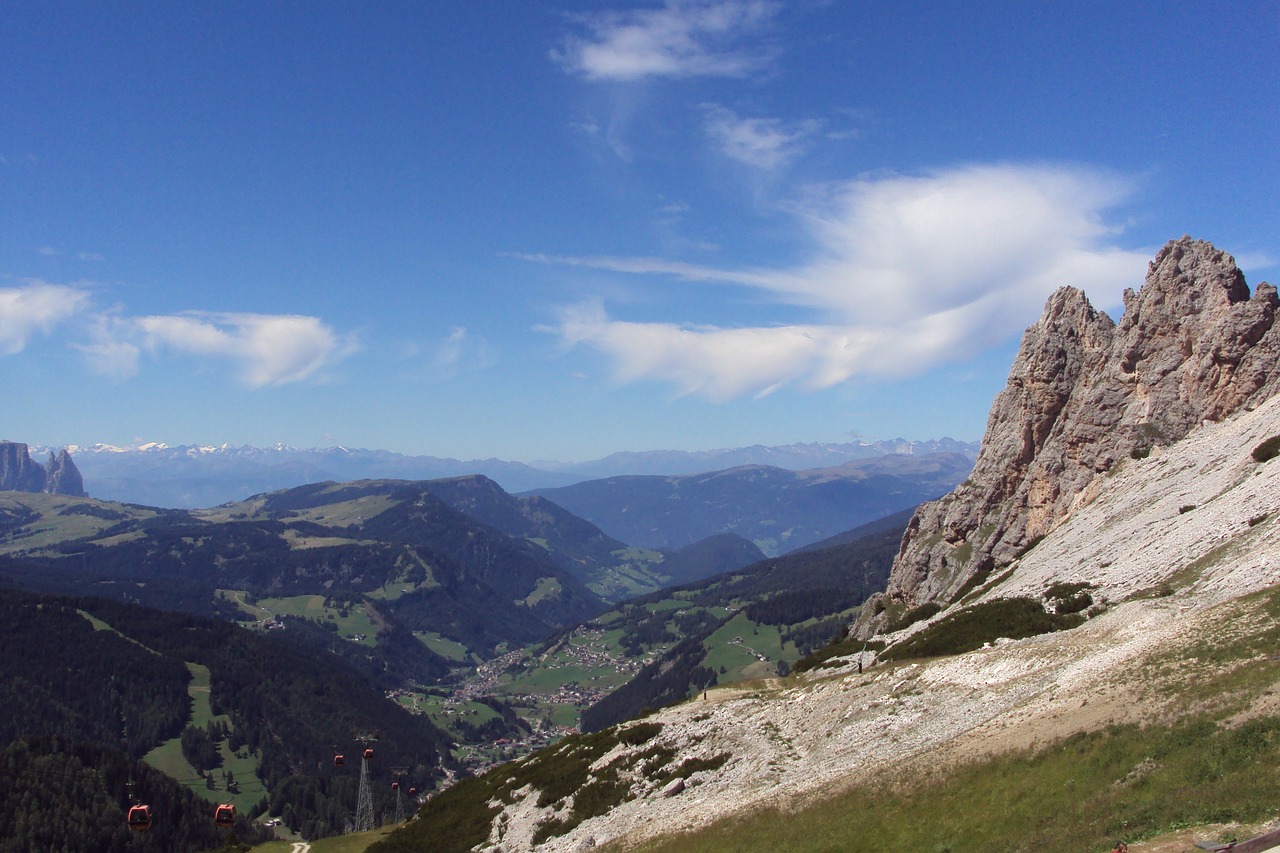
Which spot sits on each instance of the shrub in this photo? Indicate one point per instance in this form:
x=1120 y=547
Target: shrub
x=914 y=615
x=1064 y=597
x=1268 y=450
x=983 y=623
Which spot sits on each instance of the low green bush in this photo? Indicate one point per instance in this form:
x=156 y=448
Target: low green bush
x=1268 y=450
x=914 y=615
x=973 y=627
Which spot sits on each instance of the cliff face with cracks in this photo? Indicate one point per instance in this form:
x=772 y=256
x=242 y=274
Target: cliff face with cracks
x=1085 y=393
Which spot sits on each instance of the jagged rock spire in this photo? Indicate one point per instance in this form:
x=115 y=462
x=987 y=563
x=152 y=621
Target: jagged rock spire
x=19 y=473
x=1085 y=393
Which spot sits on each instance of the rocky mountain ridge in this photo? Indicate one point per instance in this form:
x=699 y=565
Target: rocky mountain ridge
x=1172 y=530
x=1084 y=394
x=20 y=473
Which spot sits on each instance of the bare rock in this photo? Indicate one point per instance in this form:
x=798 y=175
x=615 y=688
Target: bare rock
x=20 y=473
x=1085 y=393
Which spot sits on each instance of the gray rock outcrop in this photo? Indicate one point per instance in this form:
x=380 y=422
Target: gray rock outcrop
x=20 y=473
x=1085 y=393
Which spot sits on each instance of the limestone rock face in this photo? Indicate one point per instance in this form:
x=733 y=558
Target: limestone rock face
x=19 y=473
x=1083 y=394
x=62 y=477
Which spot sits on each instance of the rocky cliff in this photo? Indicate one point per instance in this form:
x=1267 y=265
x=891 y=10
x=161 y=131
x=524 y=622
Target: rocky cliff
x=19 y=473
x=1084 y=394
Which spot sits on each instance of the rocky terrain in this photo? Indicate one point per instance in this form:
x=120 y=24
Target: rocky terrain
x=1130 y=535
x=1086 y=393
x=20 y=473
x=1128 y=461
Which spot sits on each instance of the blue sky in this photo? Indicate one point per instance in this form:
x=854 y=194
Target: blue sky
x=552 y=230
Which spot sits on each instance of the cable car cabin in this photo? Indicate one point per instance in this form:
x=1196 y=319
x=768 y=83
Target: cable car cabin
x=225 y=815
x=368 y=754
x=395 y=786
x=139 y=818
x=413 y=792
x=338 y=760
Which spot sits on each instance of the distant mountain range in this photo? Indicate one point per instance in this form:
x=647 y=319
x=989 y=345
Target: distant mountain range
x=777 y=509
x=189 y=476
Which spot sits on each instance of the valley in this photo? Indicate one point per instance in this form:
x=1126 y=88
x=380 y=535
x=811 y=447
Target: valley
x=1096 y=608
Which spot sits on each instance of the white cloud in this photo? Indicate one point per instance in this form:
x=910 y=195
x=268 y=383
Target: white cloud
x=112 y=358
x=461 y=352
x=35 y=307
x=764 y=143
x=270 y=349
x=907 y=273
x=682 y=38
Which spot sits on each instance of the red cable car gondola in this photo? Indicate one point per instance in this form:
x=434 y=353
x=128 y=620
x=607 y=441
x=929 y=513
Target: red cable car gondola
x=225 y=815
x=139 y=818
x=338 y=760
x=395 y=786
x=413 y=792
x=368 y=754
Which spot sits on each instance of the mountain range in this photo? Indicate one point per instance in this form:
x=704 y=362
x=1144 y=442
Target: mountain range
x=190 y=476
x=1076 y=645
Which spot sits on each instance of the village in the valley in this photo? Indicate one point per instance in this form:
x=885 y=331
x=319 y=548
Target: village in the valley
x=573 y=674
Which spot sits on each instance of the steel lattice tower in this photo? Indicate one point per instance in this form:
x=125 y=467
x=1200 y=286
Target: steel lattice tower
x=364 y=805
x=399 y=806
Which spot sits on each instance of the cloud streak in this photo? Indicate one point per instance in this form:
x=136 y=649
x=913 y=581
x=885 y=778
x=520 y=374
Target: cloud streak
x=682 y=38
x=763 y=143
x=906 y=273
x=269 y=349
x=35 y=308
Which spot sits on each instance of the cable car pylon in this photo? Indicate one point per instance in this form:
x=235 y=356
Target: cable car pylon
x=365 y=820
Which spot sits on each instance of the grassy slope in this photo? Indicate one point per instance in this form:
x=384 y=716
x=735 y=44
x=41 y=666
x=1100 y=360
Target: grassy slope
x=168 y=758
x=1216 y=762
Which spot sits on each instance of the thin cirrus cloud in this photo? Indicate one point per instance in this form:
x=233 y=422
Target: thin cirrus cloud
x=906 y=273
x=763 y=143
x=35 y=308
x=682 y=38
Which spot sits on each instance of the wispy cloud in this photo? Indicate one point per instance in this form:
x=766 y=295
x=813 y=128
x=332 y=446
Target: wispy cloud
x=763 y=143
x=35 y=307
x=267 y=349
x=461 y=352
x=907 y=272
x=682 y=38
x=270 y=349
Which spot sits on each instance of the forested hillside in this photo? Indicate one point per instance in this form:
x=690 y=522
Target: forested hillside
x=803 y=599
x=114 y=676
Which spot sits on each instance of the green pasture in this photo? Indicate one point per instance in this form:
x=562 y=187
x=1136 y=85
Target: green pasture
x=546 y=588
x=168 y=758
x=59 y=518
x=356 y=622
x=448 y=649
x=740 y=660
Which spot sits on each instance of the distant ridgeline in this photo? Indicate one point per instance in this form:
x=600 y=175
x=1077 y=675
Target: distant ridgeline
x=20 y=473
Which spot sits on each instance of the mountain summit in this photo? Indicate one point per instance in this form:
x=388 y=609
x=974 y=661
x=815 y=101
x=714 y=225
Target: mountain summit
x=1085 y=393
x=20 y=473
